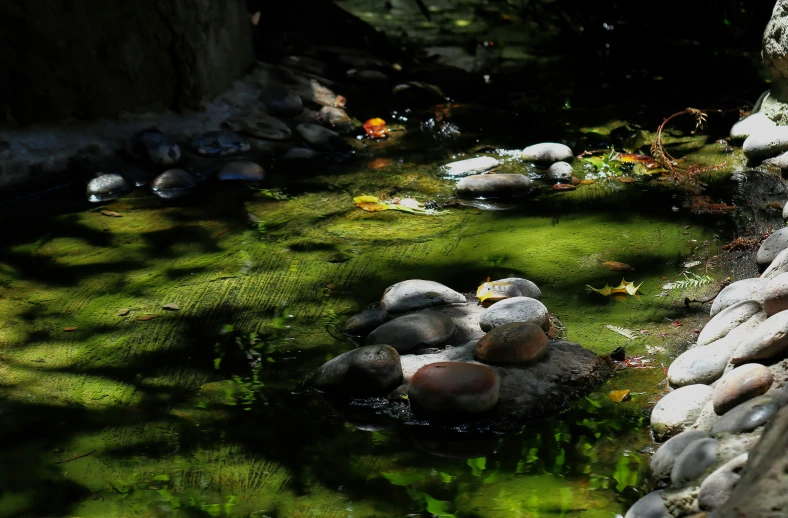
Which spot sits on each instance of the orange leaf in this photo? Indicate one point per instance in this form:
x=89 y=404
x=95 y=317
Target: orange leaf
x=587 y=182
x=564 y=187
x=376 y=128
x=71 y=328
x=625 y=179
x=143 y=318
x=618 y=395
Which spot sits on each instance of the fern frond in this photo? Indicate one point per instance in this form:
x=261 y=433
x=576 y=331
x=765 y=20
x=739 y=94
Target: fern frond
x=627 y=333
x=690 y=280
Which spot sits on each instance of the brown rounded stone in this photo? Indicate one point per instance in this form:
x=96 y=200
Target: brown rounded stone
x=775 y=295
x=453 y=389
x=741 y=384
x=517 y=342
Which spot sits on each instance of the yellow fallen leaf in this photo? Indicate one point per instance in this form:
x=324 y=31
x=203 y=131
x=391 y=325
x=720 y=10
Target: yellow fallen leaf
x=491 y=292
x=619 y=395
x=372 y=207
x=616 y=266
x=366 y=199
x=619 y=292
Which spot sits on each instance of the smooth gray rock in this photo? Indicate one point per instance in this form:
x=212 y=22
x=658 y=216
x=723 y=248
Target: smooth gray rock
x=418 y=294
x=650 y=506
x=775 y=296
x=106 y=187
x=219 y=143
x=772 y=246
x=241 y=171
x=426 y=328
x=279 y=100
x=173 y=183
x=318 y=137
x=745 y=289
x=476 y=165
x=527 y=288
x=765 y=475
x=547 y=152
x=694 y=460
x=533 y=390
x=766 y=143
x=728 y=319
x=748 y=416
x=515 y=309
x=662 y=461
x=751 y=124
x=678 y=410
x=365 y=322
x=718 y=486
x=778 y=265
x=560 y=172
x=742 y=383
x=369 y=370
x=768 y=340
x=704 y=364
x=493 y=185
x=155 y=147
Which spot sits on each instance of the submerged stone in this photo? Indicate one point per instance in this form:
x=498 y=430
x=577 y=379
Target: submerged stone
x=242 y=170
x=476 y=165
x=517 y=342
x=418 y=294
x=370 y=370
x=453 y=389
x=515 y=309
x=106 y=187
x=494 y=185
x=414 y=331
x=547 y=152
x=173 y=183
x=740 y=384
x=155 y=147
x=219 y=143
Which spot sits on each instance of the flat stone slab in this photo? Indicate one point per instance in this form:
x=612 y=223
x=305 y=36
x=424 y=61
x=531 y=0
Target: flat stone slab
x=567 y=373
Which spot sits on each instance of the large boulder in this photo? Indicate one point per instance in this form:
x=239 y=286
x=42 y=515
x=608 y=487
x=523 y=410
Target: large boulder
x=90 y=59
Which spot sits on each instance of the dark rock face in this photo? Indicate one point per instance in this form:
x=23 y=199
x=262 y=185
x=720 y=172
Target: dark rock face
x=365 y=322
x=88 y=59
x=764 y=475
x=242 y=171
x=370 y=370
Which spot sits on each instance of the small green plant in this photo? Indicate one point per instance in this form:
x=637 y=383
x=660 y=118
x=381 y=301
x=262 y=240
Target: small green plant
x=690 y=280
x=272 y=193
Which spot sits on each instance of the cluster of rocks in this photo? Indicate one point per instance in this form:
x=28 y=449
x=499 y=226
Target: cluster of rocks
x=478 y=181
x=729 y=402
x=458 y=360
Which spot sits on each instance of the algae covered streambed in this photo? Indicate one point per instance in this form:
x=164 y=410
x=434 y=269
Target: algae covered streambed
x=153 y=363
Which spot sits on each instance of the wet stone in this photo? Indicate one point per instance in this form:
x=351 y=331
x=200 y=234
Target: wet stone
x=747 y=416
x=365 y=322
x=664 y=458
x=678 y=410
x=696 y=458
x=173 y=183
x=766 y=142
x=527 y=288
x=650 y=506
x=517 y=342
x=775 y=296
x=336 y=118
x=772 y=246
x=453 y=389
x=768 y=340
x=745 y=289
x=417 y=294
x=547 y=152
x=414 y=331
x=560 y=172
x=728 y=319
x=470 y=166
x=370 y=370
x=741 y=384
x=279 y=100
x=155 y=147
x=243 y=171
x=494 y=185
x=219 y=143
x=751 y=124
x=317 y=136
x=515 y=309
x=106 y=187
x=717 y=487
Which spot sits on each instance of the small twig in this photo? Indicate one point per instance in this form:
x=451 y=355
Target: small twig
x=77 y=457
x=687 y=300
